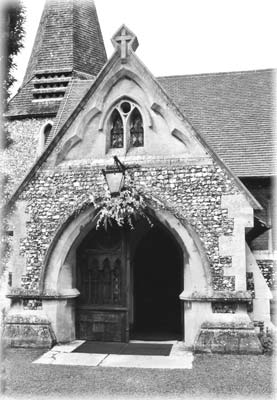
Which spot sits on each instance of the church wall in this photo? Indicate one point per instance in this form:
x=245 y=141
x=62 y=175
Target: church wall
x=21 y=153
x=192 y=193
x=261 y=188
x=264 y=247
x=169 y=162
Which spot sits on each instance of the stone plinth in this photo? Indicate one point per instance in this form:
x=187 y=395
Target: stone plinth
x=229 y=338
x=28 y=331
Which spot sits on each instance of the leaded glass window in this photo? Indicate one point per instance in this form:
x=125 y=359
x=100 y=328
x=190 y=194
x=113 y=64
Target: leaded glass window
x=116 y=131
x=126 y=126
x=136 y=129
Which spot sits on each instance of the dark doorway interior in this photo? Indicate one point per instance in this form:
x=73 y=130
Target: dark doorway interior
x=158 y=281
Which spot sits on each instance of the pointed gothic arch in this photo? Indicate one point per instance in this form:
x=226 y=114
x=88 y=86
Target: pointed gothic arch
x=116 y=138
x=136 y=101
x=124 y=126
x=59 y=274
x=136 y=129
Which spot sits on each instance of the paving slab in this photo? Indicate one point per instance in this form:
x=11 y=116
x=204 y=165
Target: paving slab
x=68 y=347
x=179 y=357
x=57 y=358
x=164 y=362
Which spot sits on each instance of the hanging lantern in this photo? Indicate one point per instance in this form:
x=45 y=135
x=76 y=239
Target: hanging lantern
x=115 y=177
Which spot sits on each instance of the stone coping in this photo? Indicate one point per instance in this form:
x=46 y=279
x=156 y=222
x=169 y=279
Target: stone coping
x=27 y=319
x=47 y=296
x=242 y=296
x=227 y=325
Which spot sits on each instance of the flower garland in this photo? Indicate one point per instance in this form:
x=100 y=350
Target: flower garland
x=124 y=209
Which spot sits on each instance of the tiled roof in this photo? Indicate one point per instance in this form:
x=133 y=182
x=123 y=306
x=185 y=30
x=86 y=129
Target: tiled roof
x=69 y=37
x=74 y=94
x=22 y=104
x=68 y=41
x=234 y=112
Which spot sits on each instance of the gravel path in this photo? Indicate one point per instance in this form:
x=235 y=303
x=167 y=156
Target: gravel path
x=212 y=376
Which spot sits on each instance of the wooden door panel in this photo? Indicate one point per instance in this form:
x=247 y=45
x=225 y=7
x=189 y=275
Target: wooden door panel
x=102 y=325
x=102 y=279
x=101 y=312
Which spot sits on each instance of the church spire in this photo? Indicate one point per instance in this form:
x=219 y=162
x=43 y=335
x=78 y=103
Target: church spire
x=68 y=45
x=68 y=38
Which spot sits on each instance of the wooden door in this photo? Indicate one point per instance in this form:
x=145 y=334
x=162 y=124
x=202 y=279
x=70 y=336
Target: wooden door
x=102 y=312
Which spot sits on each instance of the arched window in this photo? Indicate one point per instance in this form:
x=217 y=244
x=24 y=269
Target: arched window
x=136 y=129
x=117 y=140
x=46 y=132
x=126 y=126
x=44 y=135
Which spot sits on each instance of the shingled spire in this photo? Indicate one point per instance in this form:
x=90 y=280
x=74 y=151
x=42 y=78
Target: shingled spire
x=68 y=45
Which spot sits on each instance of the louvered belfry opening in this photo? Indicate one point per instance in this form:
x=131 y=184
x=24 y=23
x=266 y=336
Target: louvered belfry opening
x=68 y=46
x=50 y=86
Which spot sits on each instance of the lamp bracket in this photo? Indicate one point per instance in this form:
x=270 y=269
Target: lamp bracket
x=119 y=164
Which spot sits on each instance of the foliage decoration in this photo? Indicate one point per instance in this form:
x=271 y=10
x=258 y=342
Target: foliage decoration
x=124 y=209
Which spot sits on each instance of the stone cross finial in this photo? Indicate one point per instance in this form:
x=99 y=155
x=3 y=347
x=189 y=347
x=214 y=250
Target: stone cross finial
x=123 y=40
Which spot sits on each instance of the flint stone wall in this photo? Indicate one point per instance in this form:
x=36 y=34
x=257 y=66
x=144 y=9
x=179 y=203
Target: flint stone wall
x=22 y=152
x=192 y=193
x=268 y=269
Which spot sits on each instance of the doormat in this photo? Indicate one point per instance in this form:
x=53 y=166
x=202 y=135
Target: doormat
x=140 y=349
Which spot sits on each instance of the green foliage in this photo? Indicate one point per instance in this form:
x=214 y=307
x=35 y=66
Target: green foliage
x=14 y=16
x=124 y=209
x=268 y=341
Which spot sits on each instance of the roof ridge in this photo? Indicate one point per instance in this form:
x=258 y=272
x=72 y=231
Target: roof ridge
x=219 y=73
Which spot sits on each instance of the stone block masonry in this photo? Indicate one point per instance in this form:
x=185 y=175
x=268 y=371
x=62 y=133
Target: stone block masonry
x=192 y=193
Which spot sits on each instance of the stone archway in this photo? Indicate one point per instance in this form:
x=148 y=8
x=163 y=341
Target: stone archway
x=60 y=270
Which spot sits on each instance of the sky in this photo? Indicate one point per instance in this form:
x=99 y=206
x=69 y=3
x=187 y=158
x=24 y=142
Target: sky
x=179 y=37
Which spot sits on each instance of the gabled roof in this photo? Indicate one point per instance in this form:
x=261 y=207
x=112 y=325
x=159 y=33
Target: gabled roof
x=78 y=101
x=234 y=112
x=68 y=44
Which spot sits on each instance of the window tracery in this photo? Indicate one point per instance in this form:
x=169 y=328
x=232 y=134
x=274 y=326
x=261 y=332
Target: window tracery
x=126 y=126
